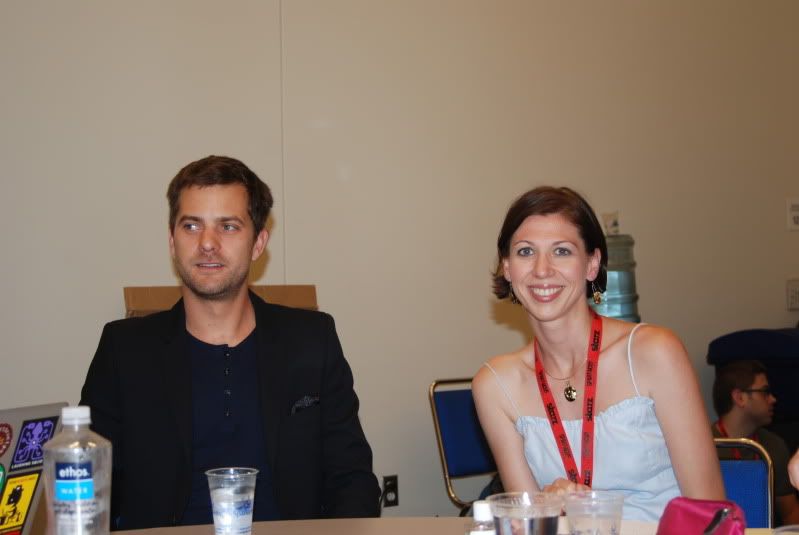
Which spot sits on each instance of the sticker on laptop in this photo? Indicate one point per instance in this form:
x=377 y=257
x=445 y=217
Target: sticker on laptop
x=16 y=501
x=32 y=436
x=2 y=476
x=6 y=435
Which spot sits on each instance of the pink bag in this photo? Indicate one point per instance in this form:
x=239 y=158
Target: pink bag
x=687 y=516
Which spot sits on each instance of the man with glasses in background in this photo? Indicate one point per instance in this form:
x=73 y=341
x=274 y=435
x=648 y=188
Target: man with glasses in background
x=744 y=404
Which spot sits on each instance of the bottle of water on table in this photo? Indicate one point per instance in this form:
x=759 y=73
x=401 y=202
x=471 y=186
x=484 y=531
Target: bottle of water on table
x=483 y=523
x=77 y=475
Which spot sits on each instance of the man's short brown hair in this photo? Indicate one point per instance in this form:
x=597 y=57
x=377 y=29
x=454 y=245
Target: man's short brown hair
x=221 y=171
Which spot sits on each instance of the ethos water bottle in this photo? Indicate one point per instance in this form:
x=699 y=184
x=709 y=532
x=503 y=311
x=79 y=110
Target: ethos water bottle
x=77 y=475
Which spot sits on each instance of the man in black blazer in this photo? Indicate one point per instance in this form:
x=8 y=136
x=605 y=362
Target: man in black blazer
x=225 y=379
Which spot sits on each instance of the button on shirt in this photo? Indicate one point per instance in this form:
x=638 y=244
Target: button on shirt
x=227 y=424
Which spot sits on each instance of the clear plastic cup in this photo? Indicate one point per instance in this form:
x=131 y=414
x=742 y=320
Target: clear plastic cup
x=232 y=499
x=523 y=513
x=594 y=512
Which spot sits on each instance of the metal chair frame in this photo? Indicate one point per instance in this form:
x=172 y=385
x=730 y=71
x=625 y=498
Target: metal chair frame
x=435 y=387
x=751 y=445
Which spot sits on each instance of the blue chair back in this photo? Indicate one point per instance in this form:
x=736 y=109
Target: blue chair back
x=744 y=482
x=461 y=444
x=467 y=452
x=749 y=483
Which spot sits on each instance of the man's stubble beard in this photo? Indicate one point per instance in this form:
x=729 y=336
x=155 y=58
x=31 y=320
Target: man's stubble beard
x=225 y=289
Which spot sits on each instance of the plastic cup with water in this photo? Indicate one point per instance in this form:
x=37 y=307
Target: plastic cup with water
x=523 y=513
x=232 y=499
x=594 y=512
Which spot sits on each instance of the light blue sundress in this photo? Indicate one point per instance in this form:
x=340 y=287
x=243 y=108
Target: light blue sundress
x=630 y=454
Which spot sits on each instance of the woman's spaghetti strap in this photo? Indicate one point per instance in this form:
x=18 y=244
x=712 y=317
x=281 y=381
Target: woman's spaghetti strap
x=630 y=357
x=504 y=389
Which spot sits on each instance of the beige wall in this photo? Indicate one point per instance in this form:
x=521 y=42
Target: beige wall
x=394 y=135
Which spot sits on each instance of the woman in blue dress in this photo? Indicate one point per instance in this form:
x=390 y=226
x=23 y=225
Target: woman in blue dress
x=590 y=401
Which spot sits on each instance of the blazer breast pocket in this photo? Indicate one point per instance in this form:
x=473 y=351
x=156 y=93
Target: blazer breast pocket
x=303 y=426
x=304 y=403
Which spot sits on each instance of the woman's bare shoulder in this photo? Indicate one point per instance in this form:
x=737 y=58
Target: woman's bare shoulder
x=648 y=344
x=659 y=357
x=647 y=338
x=655 y=342
x=507 y=367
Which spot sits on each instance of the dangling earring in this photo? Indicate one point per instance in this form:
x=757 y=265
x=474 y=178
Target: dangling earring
x=597 y=294
x=513 y=298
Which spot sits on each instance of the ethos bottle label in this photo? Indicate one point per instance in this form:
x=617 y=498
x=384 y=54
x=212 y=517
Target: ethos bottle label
x=73 y=482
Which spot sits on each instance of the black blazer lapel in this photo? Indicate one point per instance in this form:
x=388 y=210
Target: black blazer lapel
x=271 y=371
x=177 y=378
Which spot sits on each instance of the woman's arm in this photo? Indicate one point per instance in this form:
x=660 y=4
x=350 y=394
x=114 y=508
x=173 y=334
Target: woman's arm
x=497 y=418
x=665 y=372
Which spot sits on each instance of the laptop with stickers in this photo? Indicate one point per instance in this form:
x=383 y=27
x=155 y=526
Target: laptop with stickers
x=23 y=432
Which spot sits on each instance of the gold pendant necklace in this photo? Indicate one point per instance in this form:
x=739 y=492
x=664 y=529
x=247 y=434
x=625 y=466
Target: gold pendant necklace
x=570 y=393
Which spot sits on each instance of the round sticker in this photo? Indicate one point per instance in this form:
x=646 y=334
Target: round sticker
x=5 y=438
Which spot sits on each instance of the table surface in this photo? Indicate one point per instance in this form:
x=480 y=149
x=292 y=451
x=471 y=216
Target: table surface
x=343 y=526
x=380 y=526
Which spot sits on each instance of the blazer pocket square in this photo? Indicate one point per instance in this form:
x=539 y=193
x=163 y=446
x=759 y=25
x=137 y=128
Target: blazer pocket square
x=303 y=403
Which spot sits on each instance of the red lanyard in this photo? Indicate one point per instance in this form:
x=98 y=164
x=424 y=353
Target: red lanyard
x=561 y=439
x=724 y=434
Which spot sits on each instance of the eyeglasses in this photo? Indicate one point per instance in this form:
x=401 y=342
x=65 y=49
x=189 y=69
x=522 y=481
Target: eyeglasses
x=766 y=390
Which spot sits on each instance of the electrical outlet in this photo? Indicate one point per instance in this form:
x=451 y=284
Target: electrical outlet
x=793 y=213
x=390 y=491
x=792 y=291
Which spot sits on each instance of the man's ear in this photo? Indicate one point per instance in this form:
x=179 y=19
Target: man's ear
x=260 y=244
x=738 y=397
